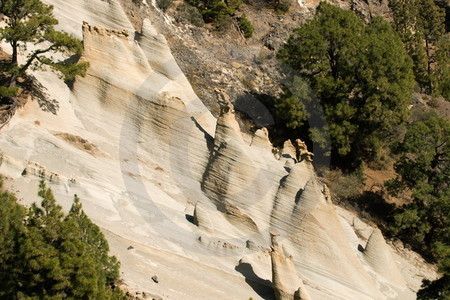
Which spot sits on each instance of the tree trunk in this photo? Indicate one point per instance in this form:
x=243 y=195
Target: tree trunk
x=14 y=63
x=14 y=53
x=430 y=84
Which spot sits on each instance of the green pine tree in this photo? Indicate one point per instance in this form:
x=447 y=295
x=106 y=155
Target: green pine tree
x=31 y=21
x=12 y=231
x=423 y=168
x=441 y=74
x=421 y=24
x=91 y=236
x=41 y=267
x=360 y=74
x=46 y=255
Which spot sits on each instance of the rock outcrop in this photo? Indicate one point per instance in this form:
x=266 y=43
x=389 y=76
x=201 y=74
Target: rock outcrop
x=286 y=284
x=107 y=14
x=164 y=154
x=378 y=256
x=236 y=180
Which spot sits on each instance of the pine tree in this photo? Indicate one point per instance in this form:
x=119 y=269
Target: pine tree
x=45 y=254
x=96 y=246
x=12 y=232
x=442 y=72
x=385 y=84
x=360 y=74
x=41 y=268
x=292 y=106
x=423 y=168
x=431 y=24
x=421 y=24
x=31 y=21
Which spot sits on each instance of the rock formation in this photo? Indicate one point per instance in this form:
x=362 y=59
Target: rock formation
x=289 y=150
x=163 y=155
x=234 y=180
x=378 y=256
x=302 y=151
x=286 y=284
x=108 y=14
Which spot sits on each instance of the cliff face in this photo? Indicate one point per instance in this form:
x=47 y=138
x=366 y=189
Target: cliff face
x=191 y=193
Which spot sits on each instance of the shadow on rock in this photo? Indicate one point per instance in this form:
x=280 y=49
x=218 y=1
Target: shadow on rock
x=261 y=286
x=39 y=92
x=190 y=218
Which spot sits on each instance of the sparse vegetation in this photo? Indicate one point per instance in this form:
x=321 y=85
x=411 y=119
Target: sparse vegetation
x=280 y=6
x=263 y=56
x=223 y=13
x=233 y=4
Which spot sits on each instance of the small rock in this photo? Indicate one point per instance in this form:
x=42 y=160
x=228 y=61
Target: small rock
x=155 y=279
x=236 y=65
x=130 y=247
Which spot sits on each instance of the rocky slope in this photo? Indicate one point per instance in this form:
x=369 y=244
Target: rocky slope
x=225 y=59
x=180 y=194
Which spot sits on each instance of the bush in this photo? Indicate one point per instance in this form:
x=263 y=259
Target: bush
x=262 y=56
x=282 y=6
x=233 y=4
x=246 y=26
x=216 y=11
x=164 y=4
x=7 y=92
x=189 y=14
x=343 y=186
x=219 y=14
